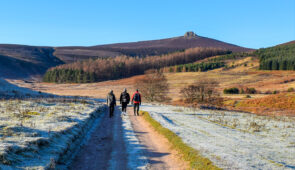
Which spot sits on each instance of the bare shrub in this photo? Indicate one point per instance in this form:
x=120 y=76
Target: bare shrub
x=153 y=86
x=202 y=91
x=275 y=92
x=291 y=89
x=256 y=127
x=247 y=96
x=251 y=91
x=190 y=93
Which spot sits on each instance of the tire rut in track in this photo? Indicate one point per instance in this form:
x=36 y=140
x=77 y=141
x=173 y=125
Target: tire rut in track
x=105 y=148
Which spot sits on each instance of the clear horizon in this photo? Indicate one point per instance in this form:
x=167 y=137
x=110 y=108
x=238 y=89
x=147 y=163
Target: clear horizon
x=252 y=24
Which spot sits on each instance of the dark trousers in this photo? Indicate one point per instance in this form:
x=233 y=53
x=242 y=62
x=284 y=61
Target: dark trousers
x=124 y=106
x=136 y=109
x=111 y=110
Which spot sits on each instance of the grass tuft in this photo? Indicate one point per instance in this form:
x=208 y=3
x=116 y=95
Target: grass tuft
x=188 y=153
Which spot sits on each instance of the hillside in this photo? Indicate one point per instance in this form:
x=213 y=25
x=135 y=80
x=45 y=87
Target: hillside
x=9 y=90
x=20 y=61
x=122 y=66
x=241 y=73
x=280 y=57
x=189 y=40
x=287 y=43
x=145 y=48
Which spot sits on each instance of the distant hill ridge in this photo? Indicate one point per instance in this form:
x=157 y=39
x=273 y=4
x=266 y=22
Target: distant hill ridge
x=19 y=61
x=189 y=40
x=144 y=48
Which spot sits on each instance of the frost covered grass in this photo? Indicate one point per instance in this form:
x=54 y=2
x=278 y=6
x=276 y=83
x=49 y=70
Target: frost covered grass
x=8 y=90
x=136 y=158
x=188 y=153
x=232 y=140
x=40 y=133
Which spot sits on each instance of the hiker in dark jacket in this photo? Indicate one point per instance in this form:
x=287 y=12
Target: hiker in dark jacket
x=124 y=100
x=111 y=102
x=136 y=100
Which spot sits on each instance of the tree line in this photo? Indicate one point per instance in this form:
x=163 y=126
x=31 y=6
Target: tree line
x=118 y=67
x=280 y=57
x=68 y=76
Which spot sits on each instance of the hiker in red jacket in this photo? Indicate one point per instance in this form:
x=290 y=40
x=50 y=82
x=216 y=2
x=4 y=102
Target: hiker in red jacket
x=136 y=100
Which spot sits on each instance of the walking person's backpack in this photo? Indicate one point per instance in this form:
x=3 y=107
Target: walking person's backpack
x=136 y=97
x=125 y=97
x=112 y=99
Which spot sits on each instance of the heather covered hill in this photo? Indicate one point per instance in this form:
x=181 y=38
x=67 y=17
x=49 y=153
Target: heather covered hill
x=19 y=61
x=288 y=43
x=189 y=40
x=145 y=48
x=73 y=54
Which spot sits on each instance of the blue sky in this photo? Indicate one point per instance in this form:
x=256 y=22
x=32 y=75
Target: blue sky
x=249 y=23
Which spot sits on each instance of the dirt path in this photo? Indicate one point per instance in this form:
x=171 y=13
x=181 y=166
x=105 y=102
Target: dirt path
x=157 y=148
x=105 y=149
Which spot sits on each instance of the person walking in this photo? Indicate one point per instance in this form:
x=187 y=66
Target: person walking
x=136 y=100
x=124 y=100
x=111 y=102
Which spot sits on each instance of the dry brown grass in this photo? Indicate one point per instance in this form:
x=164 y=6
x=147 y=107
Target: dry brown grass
x=279 y=104
x=240 y=76
x=98 y=90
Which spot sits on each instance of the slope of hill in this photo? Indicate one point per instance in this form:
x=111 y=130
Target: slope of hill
x=181 y=42
x=20 y=61
x=122 y=66
x=287 y=43
x=10 y=90
x=144 y=48
x=73 y=54
x=280 y=57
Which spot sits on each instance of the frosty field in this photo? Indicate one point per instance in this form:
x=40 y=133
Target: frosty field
x=232 y=140
x=38 y=133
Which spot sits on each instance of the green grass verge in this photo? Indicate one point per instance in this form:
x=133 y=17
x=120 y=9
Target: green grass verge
x=188 y=153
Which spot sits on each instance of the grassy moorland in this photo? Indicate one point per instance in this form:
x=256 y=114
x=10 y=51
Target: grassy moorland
x=188 y=153
x=241 y=73
x=231 y=140
x=274 y=94
x=259 y=91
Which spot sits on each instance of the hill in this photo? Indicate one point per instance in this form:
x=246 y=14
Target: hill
x=144 y=48
x=9 y=90
x=189 y=40
x=280 y=57
x=20 y=61
x=123 y=66
x=287 y=43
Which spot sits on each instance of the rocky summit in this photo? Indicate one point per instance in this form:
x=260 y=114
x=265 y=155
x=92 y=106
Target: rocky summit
x=190 y=34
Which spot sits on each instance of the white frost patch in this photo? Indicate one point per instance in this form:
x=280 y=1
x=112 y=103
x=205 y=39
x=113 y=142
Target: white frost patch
x=136 y=158
x=232 y=140
x=8 y=90
x=41 y=133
